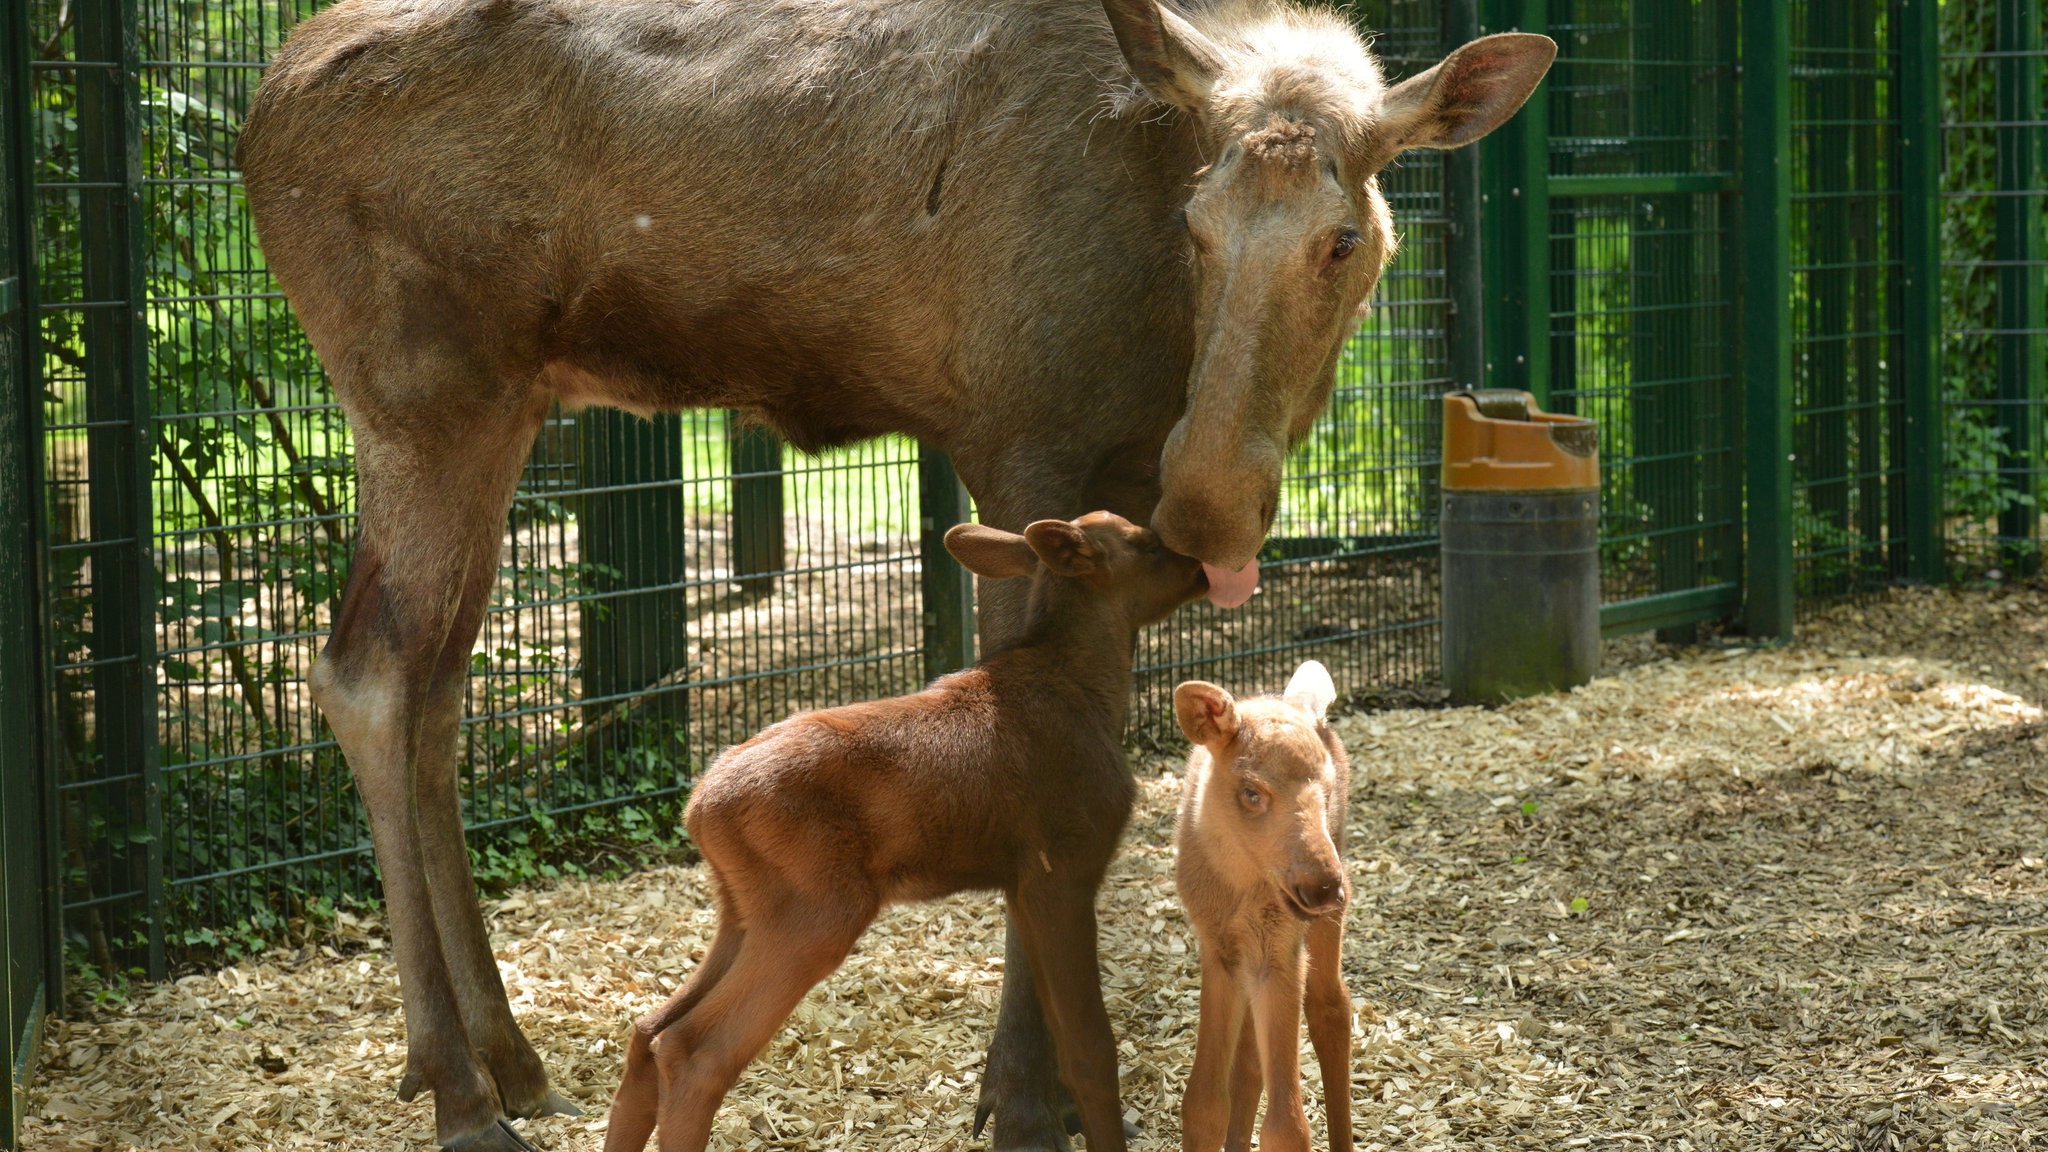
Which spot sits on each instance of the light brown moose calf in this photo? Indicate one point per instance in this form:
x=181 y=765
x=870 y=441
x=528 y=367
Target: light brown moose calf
x=1261 y=872
x=1009 y=775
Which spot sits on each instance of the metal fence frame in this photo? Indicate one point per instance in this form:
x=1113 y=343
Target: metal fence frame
x=1806 y=304
x=29 y=958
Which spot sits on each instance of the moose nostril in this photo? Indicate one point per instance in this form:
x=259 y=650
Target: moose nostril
x=1320 y=895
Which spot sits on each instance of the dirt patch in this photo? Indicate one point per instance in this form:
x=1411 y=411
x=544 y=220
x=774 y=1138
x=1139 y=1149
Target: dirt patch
x=1719 y=900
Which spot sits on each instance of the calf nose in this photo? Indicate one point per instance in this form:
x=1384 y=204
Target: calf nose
x=1321 y=895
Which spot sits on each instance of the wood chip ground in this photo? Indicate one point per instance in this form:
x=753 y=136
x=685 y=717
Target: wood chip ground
x=1719 y=900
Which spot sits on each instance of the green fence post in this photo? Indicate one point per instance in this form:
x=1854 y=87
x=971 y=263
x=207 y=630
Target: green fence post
x=1920 y=285
x=29 y=940
x=631 y=545
x=1766 y=103
x=1516 y=191
x=121 y=445
x=947 y=587
x=758 y=548
x=1464 y=260
x=2018 y=246
x=1666 y=264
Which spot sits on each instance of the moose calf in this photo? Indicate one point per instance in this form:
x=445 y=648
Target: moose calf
x=1009 y=775
x=1261 y=874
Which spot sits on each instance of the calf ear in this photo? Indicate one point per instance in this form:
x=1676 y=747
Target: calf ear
x=1207 y=714
x=990 y=552
x=1311 y=690
x=1473 y=91
x=1063 y=547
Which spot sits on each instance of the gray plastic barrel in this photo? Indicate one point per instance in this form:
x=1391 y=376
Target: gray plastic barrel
x=1521 y=549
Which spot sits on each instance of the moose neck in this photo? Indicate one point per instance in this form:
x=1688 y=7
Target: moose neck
x=1086 y=640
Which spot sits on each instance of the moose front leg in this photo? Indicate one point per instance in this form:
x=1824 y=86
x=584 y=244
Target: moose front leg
x=1021 y=1087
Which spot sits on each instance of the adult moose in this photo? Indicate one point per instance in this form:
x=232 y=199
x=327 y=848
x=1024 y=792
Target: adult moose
x=1102 y=263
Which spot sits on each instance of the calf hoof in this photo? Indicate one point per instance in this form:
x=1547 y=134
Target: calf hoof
x=496 y=1137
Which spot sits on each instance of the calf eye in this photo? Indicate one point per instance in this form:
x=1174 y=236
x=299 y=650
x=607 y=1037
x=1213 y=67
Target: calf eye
x=1254 y=801
x=1346 y=241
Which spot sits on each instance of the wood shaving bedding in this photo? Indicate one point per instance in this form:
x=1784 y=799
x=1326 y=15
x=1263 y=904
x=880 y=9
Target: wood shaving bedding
x=1719 y=900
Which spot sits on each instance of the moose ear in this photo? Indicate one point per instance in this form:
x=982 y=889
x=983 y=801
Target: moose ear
x=1311 y=690
x=1063 y=547
x=1473 y=91
x=1207 y=714
x=990 y=552
x=1174 y=61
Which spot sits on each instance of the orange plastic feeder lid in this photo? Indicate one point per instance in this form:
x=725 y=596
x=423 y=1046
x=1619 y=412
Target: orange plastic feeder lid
x=1497 y=440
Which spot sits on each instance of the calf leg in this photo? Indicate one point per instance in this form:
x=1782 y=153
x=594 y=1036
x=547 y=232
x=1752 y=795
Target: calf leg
x=1211 y=1099
x=701 y=1056
x=1276 y=1013
x=1020 y=1087
x=1057 y=925
x=1328 y=1005
x=430 y=507
x=1247 y=1082
x=634 y=1106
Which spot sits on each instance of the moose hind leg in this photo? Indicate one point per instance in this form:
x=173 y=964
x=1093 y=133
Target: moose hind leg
x=492 y=466
x=426 y=508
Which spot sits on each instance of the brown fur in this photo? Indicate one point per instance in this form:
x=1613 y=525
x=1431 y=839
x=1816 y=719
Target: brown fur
x=845 y=217
x=1007 y=776
x=1261 y=874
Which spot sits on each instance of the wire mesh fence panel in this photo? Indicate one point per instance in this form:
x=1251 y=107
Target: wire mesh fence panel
x=1994 y=244
x=667 y=586
x=1349 y=575
x=252 y=507
x=1641 y=297
x=1847 y=492
x=94 y=338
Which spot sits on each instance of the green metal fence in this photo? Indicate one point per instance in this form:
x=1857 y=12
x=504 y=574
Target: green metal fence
x=1350 y=575
x=668 y=586
x=1790 y=257
x=1622 y=215
x=1994 y=250
x=1846 y=268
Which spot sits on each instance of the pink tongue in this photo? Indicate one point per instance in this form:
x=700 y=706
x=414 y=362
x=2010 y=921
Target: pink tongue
x=1229 y=589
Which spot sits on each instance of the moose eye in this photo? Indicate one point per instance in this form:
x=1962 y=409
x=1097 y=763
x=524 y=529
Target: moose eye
x=1254 y=801
x=1346 y=241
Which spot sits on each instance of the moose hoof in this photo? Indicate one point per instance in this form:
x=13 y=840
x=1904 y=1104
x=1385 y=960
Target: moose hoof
x=496 y=1137
x=1025 y=1121
x=552 y=1103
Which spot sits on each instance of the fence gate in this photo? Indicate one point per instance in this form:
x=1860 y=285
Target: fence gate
x=26 y=936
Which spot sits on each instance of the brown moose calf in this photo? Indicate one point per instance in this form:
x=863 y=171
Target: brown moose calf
x=1009 y=775
x=1261 y=873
